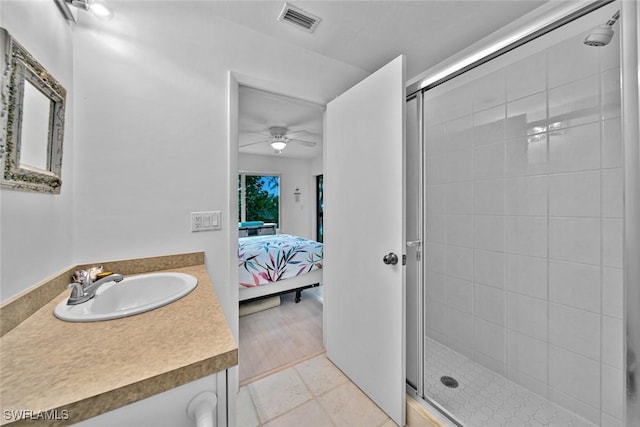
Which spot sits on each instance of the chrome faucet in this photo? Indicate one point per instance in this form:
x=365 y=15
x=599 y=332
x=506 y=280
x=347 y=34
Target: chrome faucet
x=82 y=292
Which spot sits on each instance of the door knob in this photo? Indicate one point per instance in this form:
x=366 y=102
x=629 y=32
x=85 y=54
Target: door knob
x=391 y=259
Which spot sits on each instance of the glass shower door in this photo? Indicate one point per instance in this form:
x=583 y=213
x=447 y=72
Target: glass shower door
x=523 y=235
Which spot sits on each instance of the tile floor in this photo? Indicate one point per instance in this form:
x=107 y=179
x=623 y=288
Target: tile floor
x=486 y=399
x=311 y=393
x=314 y=392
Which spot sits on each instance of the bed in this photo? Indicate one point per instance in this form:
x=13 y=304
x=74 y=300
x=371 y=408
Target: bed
x=273 y=265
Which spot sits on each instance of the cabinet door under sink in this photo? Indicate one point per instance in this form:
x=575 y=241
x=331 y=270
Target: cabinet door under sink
x=168 y=408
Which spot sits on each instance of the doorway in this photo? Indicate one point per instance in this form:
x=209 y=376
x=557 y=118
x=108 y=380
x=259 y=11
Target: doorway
x=389 y=128
x=276 y=198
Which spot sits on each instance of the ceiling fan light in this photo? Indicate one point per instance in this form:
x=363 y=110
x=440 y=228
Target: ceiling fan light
x=279 y=142
x=278 y=145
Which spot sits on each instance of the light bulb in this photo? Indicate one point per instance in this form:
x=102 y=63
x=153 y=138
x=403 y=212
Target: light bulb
x=100 y=10
x=278 y=145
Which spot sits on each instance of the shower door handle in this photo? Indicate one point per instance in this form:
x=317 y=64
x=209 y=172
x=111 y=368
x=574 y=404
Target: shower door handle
x=418 y=245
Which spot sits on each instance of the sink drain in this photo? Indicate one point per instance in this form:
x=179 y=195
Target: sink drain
x=449 y=381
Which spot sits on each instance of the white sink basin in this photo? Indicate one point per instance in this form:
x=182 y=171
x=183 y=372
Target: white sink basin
x=132 y=295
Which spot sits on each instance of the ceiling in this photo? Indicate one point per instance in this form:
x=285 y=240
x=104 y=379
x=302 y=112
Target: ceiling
x=368 y=34
x=259 y=110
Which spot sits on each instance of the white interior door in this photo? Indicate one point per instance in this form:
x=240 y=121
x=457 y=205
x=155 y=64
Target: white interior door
x=364 y=221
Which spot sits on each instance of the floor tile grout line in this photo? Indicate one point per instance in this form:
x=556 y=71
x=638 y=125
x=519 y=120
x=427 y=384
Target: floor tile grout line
x=280 y=369
x=253 y=402
x=313 y=398
x=289 y=411
x=284 y=413
x=346 y=379
x=316 y=397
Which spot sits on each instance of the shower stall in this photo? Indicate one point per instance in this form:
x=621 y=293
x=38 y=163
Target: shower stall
x=522 y=227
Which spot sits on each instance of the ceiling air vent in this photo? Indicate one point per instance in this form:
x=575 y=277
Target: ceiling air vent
x=298 y=17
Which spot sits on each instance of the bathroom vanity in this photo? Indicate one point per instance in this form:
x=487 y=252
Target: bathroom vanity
x=138 y=370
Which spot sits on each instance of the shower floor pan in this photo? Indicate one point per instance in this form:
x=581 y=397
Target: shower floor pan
x=483 y=398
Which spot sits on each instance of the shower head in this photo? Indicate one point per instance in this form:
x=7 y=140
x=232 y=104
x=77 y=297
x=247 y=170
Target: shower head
x=602 y=35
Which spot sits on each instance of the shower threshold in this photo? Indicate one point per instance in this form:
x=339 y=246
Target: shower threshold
x=484 y=398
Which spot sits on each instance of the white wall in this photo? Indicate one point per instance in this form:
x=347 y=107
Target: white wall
x=317 y=166
x=152 y=125
x=36 y=229
x=151 y=128
x=296 y=217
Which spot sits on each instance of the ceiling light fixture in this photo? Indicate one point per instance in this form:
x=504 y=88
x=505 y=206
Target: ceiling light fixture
x=279 y=143
x=98 y=8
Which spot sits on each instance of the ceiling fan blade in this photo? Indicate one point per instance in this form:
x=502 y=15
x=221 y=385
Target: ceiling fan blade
x=254 y=143
x=304 y=131
x=268 y=135
x=296 y=131
x=307 y=143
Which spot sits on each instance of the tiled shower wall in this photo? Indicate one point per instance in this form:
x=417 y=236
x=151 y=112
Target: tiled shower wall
x=523 y=241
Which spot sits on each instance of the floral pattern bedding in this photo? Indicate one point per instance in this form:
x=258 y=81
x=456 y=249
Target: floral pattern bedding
x=267 y=259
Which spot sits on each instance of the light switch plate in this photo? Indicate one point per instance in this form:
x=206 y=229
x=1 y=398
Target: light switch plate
x=206 y=221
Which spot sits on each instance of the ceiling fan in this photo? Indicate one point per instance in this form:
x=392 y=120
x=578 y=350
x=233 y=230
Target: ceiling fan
x=279 y=137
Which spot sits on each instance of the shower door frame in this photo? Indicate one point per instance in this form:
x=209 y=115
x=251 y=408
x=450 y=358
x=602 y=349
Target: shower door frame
x=418 y=243
x=509 y=39
x=630 y=79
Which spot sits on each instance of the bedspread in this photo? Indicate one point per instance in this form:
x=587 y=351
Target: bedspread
x=267 y=259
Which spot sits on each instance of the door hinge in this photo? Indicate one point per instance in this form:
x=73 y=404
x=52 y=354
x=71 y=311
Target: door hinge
x=404 y=259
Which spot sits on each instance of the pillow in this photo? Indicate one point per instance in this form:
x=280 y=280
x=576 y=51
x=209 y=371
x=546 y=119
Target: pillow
x=251 y=224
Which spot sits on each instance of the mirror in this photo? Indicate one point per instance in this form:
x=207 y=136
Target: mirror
x=32 y=121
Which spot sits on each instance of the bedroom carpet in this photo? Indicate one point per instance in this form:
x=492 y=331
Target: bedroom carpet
x=277 y=338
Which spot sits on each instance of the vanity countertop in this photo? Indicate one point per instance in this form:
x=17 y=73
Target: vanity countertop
x=80 y=370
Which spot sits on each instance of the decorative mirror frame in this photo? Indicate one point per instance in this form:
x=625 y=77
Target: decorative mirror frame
x=18 y=68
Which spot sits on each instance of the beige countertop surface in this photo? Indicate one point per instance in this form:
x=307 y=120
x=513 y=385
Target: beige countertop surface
x=85 y=369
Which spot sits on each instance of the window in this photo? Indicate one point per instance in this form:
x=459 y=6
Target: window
x=259 y=198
